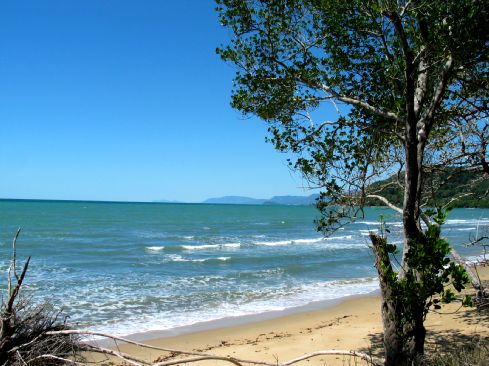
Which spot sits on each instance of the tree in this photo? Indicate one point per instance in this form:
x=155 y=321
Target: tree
x=409 y=79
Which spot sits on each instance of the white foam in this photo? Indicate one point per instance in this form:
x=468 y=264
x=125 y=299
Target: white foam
x=279 y=299
x=301 y=241
x=211 y=246
x=202 y=260
x=200 y=247
x=179 y=258
x=338 y=237
x=224 y=259
x=306 y=241
x=368 y=222
x=367 y=232
x=466 y=229
x=273 y=243
x=154 y=249
x=474 y=259
x=231 y=245
x=482 y=221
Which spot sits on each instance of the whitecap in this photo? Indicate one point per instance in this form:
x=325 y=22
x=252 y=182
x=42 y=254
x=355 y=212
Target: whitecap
x=154 y=249
x=177 y=258
x=301 y=241
x=304 y=241
x=344 y=237
x=367 y=232
x=273 y=243
x=200 y=247
x=211 y=246
x=231 y=245
x=482 y=221
x=367 y=222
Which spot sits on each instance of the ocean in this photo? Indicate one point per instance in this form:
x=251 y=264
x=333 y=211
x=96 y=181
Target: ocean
x=126 y=268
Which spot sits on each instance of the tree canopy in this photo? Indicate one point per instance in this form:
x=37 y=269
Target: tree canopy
x=409 y=80
x=409 y=72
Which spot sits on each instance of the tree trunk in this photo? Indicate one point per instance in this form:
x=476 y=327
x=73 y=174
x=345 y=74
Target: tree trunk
x=403 y=343
x=403 y=340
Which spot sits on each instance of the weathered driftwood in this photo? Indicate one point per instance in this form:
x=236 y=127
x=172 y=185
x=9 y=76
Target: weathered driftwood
x=199 y=356
x=23 y=325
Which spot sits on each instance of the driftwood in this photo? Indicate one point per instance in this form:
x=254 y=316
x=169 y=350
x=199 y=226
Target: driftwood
x=24 y=326
x=199 y=356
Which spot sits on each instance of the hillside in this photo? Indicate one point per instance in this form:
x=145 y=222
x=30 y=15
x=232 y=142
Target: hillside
x=456 y=183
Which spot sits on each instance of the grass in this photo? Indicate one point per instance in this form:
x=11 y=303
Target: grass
x=474 y=354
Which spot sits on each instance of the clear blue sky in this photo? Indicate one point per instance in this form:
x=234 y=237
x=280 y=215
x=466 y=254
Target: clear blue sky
x=125 y=100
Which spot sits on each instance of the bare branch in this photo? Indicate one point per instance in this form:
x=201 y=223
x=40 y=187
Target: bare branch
x=473 y=278
x=196 y=359
x=438 y=95
x=13 y=264
x=202 y=356
x=125 y=340
x=362 y=104
x=386 y=201
x=57 y=358
x=363 y=356
x=456 y=198
x=123 y=356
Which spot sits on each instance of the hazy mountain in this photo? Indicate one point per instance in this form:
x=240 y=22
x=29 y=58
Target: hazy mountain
x=293 y=200
x=275 y=200
x=235 y=200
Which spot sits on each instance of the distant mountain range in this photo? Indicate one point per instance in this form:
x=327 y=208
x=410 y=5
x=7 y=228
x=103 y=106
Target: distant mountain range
x=275 y=200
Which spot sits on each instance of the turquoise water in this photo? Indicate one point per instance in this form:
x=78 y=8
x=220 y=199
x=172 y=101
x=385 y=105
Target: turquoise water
x=132 y=267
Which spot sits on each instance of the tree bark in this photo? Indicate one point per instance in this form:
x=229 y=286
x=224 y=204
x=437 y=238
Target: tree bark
x=403 y=342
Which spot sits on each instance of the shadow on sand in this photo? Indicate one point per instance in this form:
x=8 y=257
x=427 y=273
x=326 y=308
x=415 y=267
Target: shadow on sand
x=445 y=341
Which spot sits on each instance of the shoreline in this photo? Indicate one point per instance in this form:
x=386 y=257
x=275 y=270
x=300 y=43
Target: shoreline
x=242 y=320
x=350 y=323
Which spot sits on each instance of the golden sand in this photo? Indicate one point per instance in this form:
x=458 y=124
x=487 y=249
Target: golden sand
x=353 y=324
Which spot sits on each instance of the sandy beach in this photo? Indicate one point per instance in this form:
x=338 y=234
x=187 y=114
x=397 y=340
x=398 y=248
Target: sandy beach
x=353 y=324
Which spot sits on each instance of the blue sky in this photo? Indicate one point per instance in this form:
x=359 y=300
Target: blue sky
x=125 y=100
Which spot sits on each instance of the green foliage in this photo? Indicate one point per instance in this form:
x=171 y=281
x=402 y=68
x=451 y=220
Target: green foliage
x=440 y=188
x=294 y=56
x=430 y=273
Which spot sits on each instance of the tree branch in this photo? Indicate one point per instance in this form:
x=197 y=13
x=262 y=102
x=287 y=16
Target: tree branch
x=363 y=356
x=438 y=95
x=201 y=356
x=386 y=201
x=362 y=104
